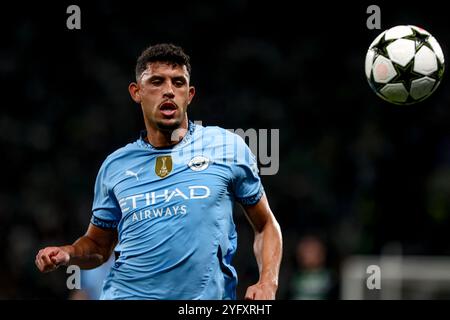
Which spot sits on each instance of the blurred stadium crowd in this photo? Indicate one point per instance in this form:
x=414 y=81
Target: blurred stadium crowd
x=354 y=171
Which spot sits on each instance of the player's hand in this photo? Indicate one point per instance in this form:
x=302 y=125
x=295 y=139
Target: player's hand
x=51 y=258
x=261 y=291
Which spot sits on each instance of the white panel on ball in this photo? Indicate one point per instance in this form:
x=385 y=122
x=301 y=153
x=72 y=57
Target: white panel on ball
x=383 y=70
x=421 y=87
x=401 y=51
x=369 y=59
x=398 y=32
x=425 y=61
x=436 y=48
x=395 y=92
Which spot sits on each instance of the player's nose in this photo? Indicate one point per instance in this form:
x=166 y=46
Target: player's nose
x=169 y=95
x=168 y=91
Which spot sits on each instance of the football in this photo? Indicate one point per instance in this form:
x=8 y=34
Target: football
x=404 y=65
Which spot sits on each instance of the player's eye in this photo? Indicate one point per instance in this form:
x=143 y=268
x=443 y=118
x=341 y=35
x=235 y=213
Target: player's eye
x=179 y=82
x=156 y=82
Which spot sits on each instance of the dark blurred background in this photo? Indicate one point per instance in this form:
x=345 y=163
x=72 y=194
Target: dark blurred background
x=356 y=172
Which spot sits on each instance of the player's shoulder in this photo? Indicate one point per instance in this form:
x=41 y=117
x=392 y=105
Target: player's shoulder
x=216 y=130
x=123 y=151
x=122 y=154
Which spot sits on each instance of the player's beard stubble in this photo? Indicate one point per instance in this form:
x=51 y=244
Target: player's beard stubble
x=174 y=124
x=168 y=127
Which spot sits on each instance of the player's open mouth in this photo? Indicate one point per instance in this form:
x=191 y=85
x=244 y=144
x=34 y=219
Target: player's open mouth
x=168 y=108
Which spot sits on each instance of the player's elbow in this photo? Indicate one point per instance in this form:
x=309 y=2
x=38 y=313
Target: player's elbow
x=100 y=251
x=276 y=231
x=271 y=226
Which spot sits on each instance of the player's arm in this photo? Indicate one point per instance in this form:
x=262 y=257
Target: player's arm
x=268 y=250
x=89 y=251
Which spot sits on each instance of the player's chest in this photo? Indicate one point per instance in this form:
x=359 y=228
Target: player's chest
x=167 y=178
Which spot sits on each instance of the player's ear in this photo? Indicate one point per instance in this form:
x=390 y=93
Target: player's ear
x=133 y=88
x=191 y=94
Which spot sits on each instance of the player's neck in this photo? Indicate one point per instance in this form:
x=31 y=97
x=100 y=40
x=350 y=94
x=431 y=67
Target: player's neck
x=165 y=138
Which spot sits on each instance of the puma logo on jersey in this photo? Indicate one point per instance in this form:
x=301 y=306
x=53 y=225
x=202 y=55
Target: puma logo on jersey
x=133 y=174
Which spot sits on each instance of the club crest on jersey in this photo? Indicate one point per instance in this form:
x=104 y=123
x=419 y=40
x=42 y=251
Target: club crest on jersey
x=199 y=163
x=163 y=166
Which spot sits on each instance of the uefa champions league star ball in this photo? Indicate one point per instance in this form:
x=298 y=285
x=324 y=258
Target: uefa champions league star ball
x=404 y=65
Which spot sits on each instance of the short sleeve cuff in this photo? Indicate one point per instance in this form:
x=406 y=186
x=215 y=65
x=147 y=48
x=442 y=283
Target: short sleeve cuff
x=251 y=200
x=104 y=224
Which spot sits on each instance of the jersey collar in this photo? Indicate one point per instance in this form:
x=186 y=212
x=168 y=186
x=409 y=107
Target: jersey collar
x=143 y=134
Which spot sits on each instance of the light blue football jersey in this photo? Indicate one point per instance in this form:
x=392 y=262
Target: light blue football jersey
x=92 y=279
x=173 y=209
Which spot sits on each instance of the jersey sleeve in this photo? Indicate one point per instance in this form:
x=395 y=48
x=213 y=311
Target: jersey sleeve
x=247 y=184
x=106 y=211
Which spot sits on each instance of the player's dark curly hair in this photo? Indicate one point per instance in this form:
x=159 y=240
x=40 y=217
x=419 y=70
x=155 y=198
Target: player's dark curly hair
x=163 y=52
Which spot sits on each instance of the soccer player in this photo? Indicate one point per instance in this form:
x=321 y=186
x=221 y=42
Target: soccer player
x=166 y=200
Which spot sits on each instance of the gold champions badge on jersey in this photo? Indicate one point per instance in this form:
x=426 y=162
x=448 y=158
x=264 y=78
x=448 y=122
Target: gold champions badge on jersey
x=163 y=166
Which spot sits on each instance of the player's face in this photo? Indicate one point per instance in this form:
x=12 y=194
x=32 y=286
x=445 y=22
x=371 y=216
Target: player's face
x=164 y=94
